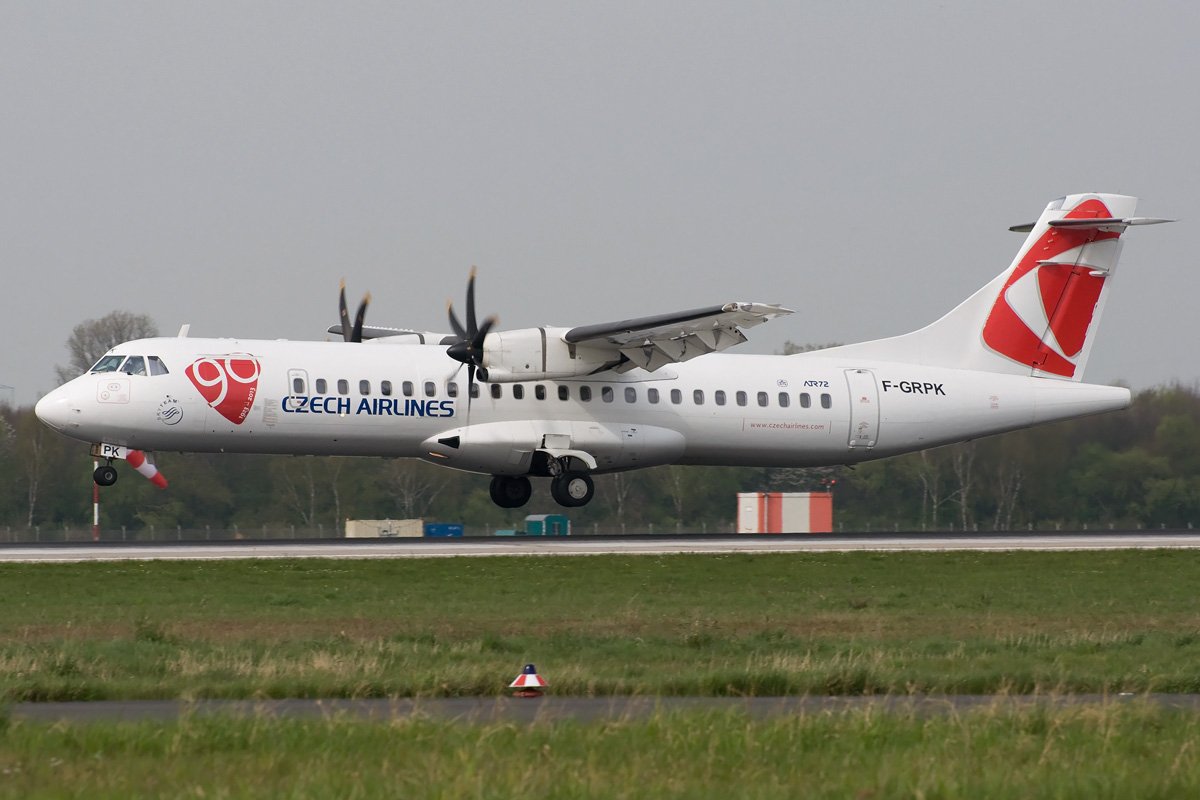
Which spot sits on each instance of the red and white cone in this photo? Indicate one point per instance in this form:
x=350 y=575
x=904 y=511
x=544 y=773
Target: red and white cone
x=528 y=683
x=137 y=459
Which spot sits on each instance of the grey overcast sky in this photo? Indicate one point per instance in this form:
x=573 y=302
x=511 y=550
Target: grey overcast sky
x=224 y=164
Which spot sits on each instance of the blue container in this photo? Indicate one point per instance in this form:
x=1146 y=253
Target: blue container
x=443 y=529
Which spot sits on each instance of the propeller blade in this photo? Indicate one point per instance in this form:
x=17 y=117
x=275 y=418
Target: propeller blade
x=345 y=315
x=477 y=342
x=356 y=334
x=457 y=327
x=472 y=325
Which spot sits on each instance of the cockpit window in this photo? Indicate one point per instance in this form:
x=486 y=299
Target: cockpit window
x=157 y=367
x=134 y=365
x=108 y=364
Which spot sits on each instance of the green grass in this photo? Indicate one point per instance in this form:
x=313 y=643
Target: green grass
x=671 y=625
x=1093 y=752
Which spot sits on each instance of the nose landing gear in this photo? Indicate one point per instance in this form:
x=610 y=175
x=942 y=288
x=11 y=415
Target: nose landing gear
x=105 y=475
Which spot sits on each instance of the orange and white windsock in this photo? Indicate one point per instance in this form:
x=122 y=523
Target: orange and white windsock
x=137 y=459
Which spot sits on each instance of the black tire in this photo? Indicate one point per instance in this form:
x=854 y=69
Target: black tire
x=572 y=489
x=509 y=491
x=105 y=475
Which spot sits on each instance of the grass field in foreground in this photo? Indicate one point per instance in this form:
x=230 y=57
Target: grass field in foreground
x=1097 y=752
x=656 y=625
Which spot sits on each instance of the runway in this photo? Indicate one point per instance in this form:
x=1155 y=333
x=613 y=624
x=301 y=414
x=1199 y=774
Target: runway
x=554 y=709
x=595 y=545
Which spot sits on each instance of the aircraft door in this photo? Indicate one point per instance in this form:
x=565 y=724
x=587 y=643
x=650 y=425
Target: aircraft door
x=297 y=386
x=864 y=409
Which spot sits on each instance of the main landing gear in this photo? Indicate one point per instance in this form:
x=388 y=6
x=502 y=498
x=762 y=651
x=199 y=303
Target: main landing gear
x=105 y=475
x=570 y=489
x=510 y=491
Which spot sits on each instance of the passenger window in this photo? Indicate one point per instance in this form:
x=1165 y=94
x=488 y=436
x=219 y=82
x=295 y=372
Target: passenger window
x=585 y=393
x=741 y=398
x=539 y=391
x=762 y=399
x=134 y=365
x=496 y=391
x=564 y=392
x=676 y=396
x=652 y=395
x=364 y=387
x=630 y=394
x=385 y=388
x=518 y=391
x=451 y=389
x=297 y=386
x=157 y=367
x=826 y=401
x=698 y=397
x=805 y=400
x=430 y=389
x=343 y=386
x=322 y=387
x=719 y=397
x=606 y=394
x=108 y=364
x=784 y=400
x=407 y=388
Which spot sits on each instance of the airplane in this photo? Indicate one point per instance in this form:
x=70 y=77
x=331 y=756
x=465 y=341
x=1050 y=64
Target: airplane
x=570 y=403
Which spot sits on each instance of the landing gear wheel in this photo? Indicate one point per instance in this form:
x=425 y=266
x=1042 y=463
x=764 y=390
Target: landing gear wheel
x=510 y=491
x=572 y=489
x=105 y=475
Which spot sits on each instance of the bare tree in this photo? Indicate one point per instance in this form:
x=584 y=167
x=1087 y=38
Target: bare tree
x=31 y=447
x=929 y=473
x=414 y=484
x=93 y=338
x=1008 y=487
x=672 y=479
x=300 y=487
x=617 y=486
x=963 y=461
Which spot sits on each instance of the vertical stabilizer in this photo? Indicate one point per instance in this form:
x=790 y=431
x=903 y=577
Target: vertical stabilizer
x=1039 y=317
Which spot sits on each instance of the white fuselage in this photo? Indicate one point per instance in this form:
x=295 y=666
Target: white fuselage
x=398 y=400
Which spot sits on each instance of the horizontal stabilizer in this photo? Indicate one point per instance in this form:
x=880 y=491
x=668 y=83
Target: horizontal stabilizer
x=1084 y=224
x=1103 y=223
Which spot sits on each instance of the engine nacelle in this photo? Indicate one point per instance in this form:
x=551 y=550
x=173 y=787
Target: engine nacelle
x=533 y=354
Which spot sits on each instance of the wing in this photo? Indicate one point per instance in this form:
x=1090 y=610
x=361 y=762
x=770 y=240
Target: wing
x=652 y=342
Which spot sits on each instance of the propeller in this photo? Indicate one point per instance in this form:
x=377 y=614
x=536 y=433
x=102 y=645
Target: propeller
x=352 y=334
x=469 y=347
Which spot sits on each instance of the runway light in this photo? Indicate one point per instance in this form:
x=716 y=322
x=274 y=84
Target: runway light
x=528 y=683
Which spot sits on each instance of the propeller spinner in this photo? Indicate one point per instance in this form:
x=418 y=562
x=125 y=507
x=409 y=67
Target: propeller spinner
x=469 y=347
x=352 y=333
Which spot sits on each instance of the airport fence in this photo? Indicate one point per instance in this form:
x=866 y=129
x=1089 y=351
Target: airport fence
x=47 y=534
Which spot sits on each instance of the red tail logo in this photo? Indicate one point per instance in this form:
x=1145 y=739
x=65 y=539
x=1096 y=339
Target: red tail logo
x=227 y=383
x=1043 y=313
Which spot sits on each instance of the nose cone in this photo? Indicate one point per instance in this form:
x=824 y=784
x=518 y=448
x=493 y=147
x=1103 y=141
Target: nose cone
x=54 y=409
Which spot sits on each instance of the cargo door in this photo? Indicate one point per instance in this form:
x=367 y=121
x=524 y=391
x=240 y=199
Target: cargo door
x=864 y=409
